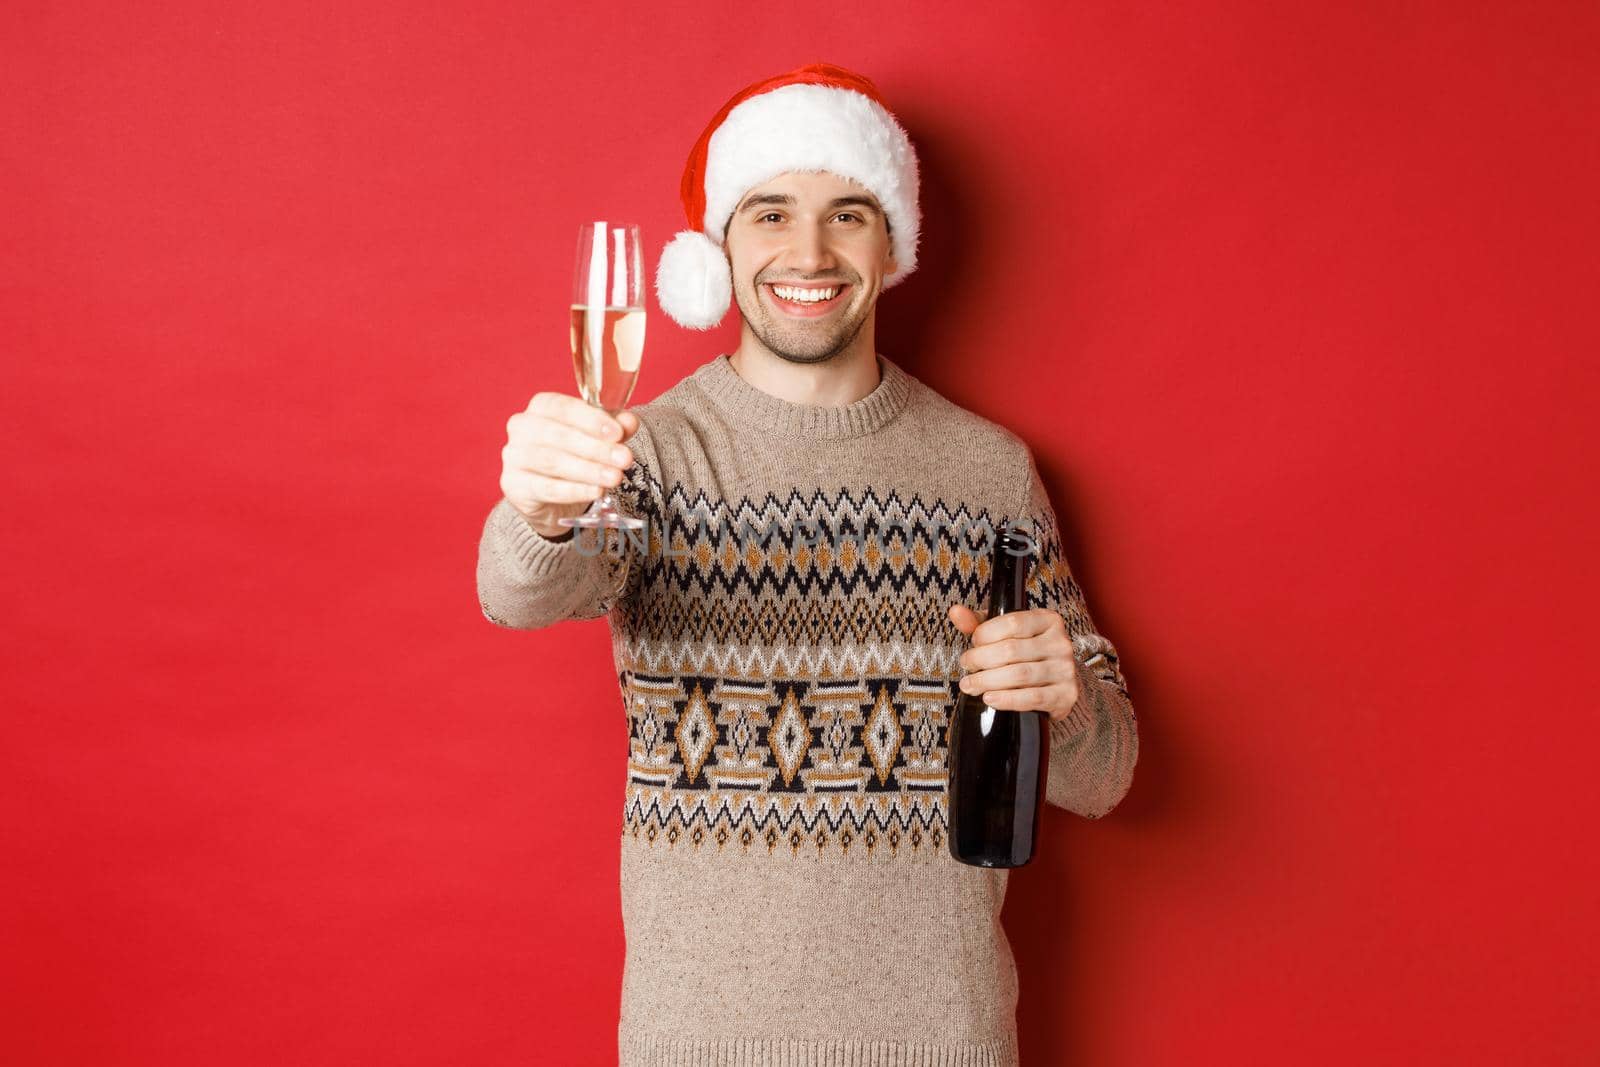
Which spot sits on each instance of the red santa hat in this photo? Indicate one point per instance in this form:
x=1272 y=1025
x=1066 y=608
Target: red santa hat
x=815 y=118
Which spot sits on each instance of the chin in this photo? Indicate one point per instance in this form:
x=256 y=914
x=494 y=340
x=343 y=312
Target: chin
x=808 y=349
x=800 y=346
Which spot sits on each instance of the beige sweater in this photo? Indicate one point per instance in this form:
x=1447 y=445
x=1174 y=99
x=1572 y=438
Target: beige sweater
x=787 y=669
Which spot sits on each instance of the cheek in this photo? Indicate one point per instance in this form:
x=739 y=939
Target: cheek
x=747 y=260
x=871 y=260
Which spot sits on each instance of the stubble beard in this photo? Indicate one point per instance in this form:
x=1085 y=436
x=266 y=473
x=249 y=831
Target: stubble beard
x=797 y=344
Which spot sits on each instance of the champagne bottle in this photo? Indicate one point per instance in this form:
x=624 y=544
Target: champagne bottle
x=998 y=758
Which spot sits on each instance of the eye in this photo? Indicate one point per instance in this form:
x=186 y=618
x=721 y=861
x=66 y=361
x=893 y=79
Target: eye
x=769 y=215
x=848 y=215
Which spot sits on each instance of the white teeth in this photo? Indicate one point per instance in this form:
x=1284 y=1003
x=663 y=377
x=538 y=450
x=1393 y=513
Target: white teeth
x=805 y=296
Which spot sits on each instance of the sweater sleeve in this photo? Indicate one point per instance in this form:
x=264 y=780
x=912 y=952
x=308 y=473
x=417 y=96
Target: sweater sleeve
x=527 y=581
x=1094 y=748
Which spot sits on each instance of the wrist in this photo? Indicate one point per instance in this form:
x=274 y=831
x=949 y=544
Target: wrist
x=550 y=531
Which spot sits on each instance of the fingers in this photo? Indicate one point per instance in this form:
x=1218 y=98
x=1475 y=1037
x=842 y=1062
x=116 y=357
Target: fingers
x=577 y=413
x=581 y=415
x=521 y=485
x=1029 y=623
x=562 y=438
x=562 y=453
x=1025 y=660
x=1019 y=661
x=1050 y=645
x=965 y=619
x=1033 y=698
x=1026 y=674
x=999 y=653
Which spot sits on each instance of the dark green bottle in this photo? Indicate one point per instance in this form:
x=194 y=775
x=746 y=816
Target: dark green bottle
x=999 y=759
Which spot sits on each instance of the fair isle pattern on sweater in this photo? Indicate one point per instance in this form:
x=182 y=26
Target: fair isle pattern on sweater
x=787 y=671
x=827 y=724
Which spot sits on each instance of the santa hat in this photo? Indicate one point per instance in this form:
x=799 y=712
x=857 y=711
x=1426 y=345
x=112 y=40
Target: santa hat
x=816 y=118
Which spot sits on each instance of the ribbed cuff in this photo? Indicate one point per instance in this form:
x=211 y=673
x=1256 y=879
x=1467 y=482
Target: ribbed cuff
x=535 y=553
x=659 y=1050
x=1084 y=709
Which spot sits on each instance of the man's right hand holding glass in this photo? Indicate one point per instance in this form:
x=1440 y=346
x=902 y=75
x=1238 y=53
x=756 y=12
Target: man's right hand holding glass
x=561 y=453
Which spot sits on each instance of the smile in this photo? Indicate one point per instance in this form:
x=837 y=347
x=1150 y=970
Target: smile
x=806 y=301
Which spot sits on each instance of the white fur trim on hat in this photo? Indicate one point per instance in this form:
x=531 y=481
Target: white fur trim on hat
x=693 y=282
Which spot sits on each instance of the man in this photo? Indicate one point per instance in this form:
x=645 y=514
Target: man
x=788 y=893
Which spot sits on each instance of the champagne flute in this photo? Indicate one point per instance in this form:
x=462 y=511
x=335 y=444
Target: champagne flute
x=607 y=336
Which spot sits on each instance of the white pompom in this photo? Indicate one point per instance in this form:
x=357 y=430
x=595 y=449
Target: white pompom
x=693 y=282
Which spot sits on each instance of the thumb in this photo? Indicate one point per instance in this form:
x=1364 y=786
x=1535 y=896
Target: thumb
x=965 y=619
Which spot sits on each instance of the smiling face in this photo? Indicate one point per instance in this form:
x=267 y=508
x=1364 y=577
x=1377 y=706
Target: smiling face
x=809 y=252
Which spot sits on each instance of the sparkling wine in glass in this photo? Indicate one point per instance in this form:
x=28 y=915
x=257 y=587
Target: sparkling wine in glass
x=607 y=336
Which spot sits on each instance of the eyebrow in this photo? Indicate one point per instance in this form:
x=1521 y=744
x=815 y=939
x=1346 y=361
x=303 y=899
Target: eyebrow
x=784 y=200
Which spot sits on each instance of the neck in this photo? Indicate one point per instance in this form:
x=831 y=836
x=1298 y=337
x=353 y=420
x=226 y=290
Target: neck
x=843 y=378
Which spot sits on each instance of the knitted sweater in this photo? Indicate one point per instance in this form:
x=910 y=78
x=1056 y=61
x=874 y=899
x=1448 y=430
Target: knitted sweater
x=787 y=670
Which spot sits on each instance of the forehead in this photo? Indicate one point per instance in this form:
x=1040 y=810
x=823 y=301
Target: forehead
x=805 y=186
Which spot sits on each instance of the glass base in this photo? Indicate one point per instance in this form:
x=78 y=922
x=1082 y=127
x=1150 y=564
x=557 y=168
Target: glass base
x=602 y=514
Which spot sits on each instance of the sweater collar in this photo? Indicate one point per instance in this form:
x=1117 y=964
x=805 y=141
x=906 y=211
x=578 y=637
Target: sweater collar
x=773 y=415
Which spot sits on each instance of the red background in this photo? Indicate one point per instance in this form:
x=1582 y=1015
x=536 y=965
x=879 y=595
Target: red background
x=1297 y=294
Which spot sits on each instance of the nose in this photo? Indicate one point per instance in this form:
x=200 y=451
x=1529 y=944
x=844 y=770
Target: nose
x=809 y=251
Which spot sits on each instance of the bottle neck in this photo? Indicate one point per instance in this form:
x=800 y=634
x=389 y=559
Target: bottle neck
x=1008 y=589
